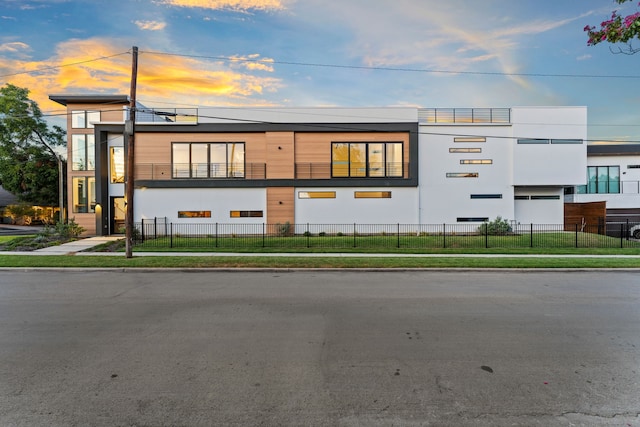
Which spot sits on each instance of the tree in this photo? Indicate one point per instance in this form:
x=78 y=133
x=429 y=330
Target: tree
x=618 y=29
x=29 y=166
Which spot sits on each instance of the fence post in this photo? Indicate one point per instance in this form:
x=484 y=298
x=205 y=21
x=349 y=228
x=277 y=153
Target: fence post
x=216 y=234
x=354 y=234
x=263 y=235
x=486 y=235
x=155 y=227
x=622 y=235
x=398 y=235
x=142 y=233
x=627 y=230
x=576 y=234
x=444 y=236
x=308 y=235
x=531 y=235
x=171 y=236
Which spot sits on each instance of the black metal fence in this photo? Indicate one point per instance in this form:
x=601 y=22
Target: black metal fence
x=159 y=233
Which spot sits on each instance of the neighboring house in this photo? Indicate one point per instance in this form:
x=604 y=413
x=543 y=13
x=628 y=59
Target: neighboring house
x=612 y=176
x=6 y=198
x=324 y=165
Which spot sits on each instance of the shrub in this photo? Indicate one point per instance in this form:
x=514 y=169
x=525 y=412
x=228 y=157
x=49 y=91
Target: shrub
x=69 y=230
x=21 y=214
x=498 y=226
x=284 y=229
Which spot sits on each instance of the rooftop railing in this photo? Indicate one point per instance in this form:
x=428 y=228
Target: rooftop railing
x=167 y=115
x=464 y=115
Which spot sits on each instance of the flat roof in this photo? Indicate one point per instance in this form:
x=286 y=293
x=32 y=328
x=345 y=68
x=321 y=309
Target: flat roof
x=89 y=99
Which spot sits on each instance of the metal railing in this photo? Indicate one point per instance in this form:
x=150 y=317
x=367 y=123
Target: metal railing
x=163 y=171
x=464 y=115
x=159 y=233
x=167 y=115
x=610 y=187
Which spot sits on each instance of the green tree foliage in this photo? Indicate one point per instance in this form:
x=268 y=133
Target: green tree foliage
x=617 y=29
x=28 y=162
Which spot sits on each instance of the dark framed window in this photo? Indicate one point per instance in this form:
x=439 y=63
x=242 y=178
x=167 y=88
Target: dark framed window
x=603 y=179
x=84 y=194
x=567 y=141
x=83 y=152
x=465 y=150
x=486 y=196
x=84 y=119
x=462 y=174
x=517 y=197
x=208 y=160
x=470 y=139
x=367 y=159
x=316 y=194
x=550 y=197
x=476 y=162
x=372 y=194
x=194 y=214
x=472 y=219
x=532 y=141
x=245 y=214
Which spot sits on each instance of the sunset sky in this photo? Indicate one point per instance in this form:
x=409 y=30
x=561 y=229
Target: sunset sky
x=346 y=53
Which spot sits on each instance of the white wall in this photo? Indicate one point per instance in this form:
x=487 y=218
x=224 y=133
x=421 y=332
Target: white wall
x=549 y=164
x=442 y=199
x=401 y=208
x=166 y=202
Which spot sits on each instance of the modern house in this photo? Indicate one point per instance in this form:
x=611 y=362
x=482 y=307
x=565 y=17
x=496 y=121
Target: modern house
x=323 y=165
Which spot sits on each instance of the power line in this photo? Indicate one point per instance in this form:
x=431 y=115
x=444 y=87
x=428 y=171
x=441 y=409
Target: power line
x=400 y=69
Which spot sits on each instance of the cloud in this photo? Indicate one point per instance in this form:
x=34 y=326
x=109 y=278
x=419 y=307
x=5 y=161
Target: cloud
x=151 y=25
x=10 y=18
x=14 y=47
x=239 y=5
x=253 y=62
x=583 y=57
x=168 y=78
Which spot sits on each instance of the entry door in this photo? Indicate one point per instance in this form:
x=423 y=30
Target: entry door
x=118 y=212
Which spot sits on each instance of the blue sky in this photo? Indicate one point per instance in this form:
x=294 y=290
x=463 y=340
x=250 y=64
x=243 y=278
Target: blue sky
x=343 y=53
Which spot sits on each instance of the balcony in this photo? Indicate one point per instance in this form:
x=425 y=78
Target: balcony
x=175 y=171
x=464 y=115
x=610 y=187
x=167 y=115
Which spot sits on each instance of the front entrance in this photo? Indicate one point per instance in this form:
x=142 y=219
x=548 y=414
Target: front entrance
x=118 y=212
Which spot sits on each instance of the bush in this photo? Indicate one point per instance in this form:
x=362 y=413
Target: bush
x=21 y=214
x=69 y=230
x=498 y=226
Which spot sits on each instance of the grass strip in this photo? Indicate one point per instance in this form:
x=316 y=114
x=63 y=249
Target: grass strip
x=399 y=262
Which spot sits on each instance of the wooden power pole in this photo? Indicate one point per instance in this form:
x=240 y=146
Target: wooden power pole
x=130 y=130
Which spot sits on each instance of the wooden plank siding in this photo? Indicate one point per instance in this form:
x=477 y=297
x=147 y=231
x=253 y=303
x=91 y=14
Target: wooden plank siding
x=280 y=155
x=590 y=215
x=280 y=205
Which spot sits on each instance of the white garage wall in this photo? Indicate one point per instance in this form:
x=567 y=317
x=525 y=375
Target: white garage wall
x=166 y=202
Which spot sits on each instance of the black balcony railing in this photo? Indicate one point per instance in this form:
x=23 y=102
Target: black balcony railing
x=610 y=187
x=160 y=233
x=164 y=171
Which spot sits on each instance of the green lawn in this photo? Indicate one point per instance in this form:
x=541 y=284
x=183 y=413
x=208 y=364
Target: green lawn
x=212 y=261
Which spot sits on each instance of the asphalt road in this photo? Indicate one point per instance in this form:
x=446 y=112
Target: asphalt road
x=319 y=348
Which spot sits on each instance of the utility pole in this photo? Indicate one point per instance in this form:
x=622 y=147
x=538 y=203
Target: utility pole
x=130 y=129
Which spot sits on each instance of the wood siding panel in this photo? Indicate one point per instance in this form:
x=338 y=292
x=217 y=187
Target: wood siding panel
x=88 y=221
x=280 y=155
x=588 y=216
x=280 y=205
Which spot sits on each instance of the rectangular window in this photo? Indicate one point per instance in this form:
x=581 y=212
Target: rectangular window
x=603 y=179
x=366 y=159
x=316 y=194
x=465 y=150
x=372 y=194
x=521 y=197
x=470 y=139
x=194 y=214
x=476 y=162
x=208 y=160
x=84 y=119
x=462 y=174
x=633 y=166
x=532 y=141
x=116 y=165
x=486 y=196
x=83 y=153
x=84 y=194
x=472 y=219
x=567 y=141
x=245 y=214
x=545 y=197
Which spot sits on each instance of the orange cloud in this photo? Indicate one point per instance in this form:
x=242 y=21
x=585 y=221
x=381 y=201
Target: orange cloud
x=227 y=4
x=161 y=78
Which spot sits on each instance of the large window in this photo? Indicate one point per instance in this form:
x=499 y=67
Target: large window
x=116 y=164
x=366 y=159
x=84 y=194
x=84 y=119
x=83 y=153
x=602 y=179
x=208 y=160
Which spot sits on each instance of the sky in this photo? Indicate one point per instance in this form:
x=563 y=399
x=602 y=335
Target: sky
x=333 y=53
